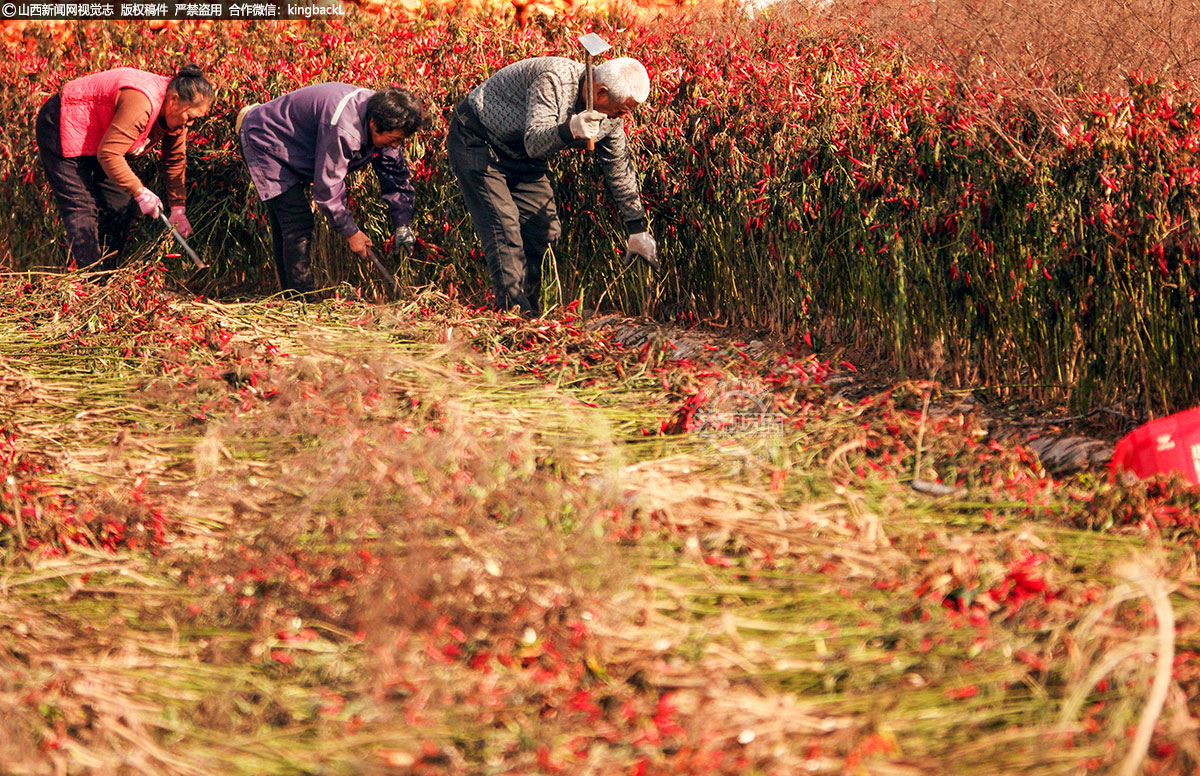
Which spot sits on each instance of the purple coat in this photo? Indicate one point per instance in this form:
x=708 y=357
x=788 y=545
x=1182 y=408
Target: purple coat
x=319 y=135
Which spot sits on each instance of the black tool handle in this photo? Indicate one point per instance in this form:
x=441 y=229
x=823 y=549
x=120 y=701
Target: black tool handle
x=383 y=271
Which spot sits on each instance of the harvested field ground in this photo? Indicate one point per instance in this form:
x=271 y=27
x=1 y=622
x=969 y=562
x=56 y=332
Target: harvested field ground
x=415 y=538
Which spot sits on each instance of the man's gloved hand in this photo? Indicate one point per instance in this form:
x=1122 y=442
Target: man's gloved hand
x=642 y=244
x=149 y=203
x=586 y=125
x=403 y=241
x=179 y=220
x=360 y=243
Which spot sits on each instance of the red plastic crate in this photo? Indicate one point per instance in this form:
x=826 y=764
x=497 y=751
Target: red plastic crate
x=1170 y=444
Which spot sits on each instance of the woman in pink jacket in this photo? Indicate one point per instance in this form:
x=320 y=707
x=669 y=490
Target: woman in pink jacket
x=85 y=134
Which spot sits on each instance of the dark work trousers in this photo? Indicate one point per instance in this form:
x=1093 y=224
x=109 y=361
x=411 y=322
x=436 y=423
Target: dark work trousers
x=96 y=213
x=291 y=238
x=513 y=211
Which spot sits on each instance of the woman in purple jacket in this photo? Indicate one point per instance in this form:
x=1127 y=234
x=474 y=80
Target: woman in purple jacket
x=317 y=136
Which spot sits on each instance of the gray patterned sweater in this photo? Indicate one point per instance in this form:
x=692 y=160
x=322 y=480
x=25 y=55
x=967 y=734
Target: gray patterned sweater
x=526 y=107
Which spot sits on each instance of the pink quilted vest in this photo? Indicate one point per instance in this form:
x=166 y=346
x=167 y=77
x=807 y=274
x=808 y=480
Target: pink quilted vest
x=88 y=105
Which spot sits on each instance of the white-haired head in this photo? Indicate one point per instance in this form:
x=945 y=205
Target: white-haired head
x=623 y=77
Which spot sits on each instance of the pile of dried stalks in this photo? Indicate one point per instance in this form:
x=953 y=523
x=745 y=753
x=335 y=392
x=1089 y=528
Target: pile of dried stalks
x=417 y=538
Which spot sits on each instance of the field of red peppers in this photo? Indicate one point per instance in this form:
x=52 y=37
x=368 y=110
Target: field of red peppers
x=268 y=537
x=1052 y=256
x=425 y=538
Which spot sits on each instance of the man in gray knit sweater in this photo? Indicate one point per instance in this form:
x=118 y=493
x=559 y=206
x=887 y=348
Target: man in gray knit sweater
x=499 y=139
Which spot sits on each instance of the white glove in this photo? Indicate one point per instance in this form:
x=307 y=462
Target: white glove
x=149 y=203
x=179 y=220
x=642 y=244
x=586 y=125
x=403 y=241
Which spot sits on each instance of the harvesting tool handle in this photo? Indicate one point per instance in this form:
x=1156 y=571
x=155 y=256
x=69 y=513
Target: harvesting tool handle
x=182 y=242
x=383 y=271
x=589 y=100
